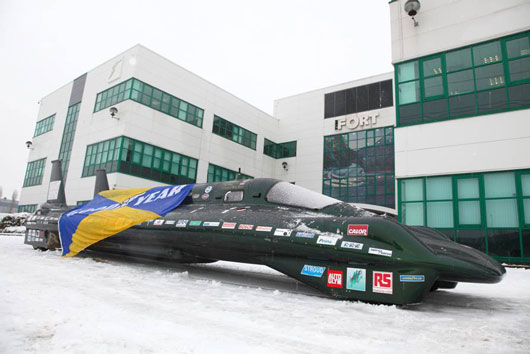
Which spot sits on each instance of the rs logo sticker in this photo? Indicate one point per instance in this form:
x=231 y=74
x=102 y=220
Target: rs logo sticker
x=382 y=282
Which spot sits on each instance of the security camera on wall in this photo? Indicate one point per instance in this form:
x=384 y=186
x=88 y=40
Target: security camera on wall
x=113 y=112
x=29 y=144
x=411 y=8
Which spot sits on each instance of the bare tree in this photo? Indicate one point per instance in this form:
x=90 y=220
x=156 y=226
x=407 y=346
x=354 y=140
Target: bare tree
x=14 y=197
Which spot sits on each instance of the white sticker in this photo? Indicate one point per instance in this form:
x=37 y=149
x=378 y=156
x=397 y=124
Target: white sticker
x=352 y=245
x=380 y=252
x=283 y=232
x=327 y=240
x=211 y=223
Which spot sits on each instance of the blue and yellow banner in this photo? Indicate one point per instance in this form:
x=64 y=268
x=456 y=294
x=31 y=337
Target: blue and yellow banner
x=113 y=211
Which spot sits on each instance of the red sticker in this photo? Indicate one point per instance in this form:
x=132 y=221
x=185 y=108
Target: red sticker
x=357 y=230
x=245 y=227
x=382 y=282
x=334 y=278
x=229 y=225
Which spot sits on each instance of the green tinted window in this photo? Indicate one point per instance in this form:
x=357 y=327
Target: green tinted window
x=359 y=167
x=279 y=151
x=44 y=125
x=409 y=92
x=34 y=173
x=152 y=97
x=460 y=82
x=487 y=53
x=408 y=71
x=28 y=208
x=220 y=174
x=518 y=47
x=67 y=140
x=479 y=79
x=488 y=211
x=233 y=132
x=458 y=60
x=139 y=159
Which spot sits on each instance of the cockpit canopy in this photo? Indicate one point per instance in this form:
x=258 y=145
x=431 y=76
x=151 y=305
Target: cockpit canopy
x=291 y=195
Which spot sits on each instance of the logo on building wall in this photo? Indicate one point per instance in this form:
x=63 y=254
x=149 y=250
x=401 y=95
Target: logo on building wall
x=115 y=71
x=354 y=122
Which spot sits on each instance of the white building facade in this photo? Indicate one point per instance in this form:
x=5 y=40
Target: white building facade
x=462 y=87
x=443 y=140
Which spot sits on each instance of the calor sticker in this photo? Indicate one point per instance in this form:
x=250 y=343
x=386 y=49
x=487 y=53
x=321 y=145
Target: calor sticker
x=357 y=230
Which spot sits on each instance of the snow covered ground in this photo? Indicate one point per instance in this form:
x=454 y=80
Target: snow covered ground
x=50 y=304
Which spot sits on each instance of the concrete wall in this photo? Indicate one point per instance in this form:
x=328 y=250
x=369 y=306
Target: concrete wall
x=446 y=24
x=487 y=143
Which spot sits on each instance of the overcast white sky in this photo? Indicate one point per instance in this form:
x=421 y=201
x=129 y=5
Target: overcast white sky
x=257 y=50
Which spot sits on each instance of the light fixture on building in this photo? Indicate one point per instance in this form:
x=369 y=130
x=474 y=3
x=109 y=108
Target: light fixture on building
x=29 y=144
x=285 y=166
x=113 y=112
x=411 y=8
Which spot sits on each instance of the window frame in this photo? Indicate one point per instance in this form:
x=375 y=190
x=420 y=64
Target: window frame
x=505 y=105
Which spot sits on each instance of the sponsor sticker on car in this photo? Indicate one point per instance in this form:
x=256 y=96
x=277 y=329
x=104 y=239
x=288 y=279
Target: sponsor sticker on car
x=305 y=234
x=211 y=223
x=181 y=223
x=327 y=240
x=245 y=227
x=380 y=252
x=158 y=222
x=170 y=222
x=208 y=189
x=353 y=245
x=412 y=278
x=264 y=228
x=357 y=230
x=313 y=271
x=356 y=279
x=283 y=232
x=382 y=282
x=229 y=225
x=335 y=278
x=195 y=223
